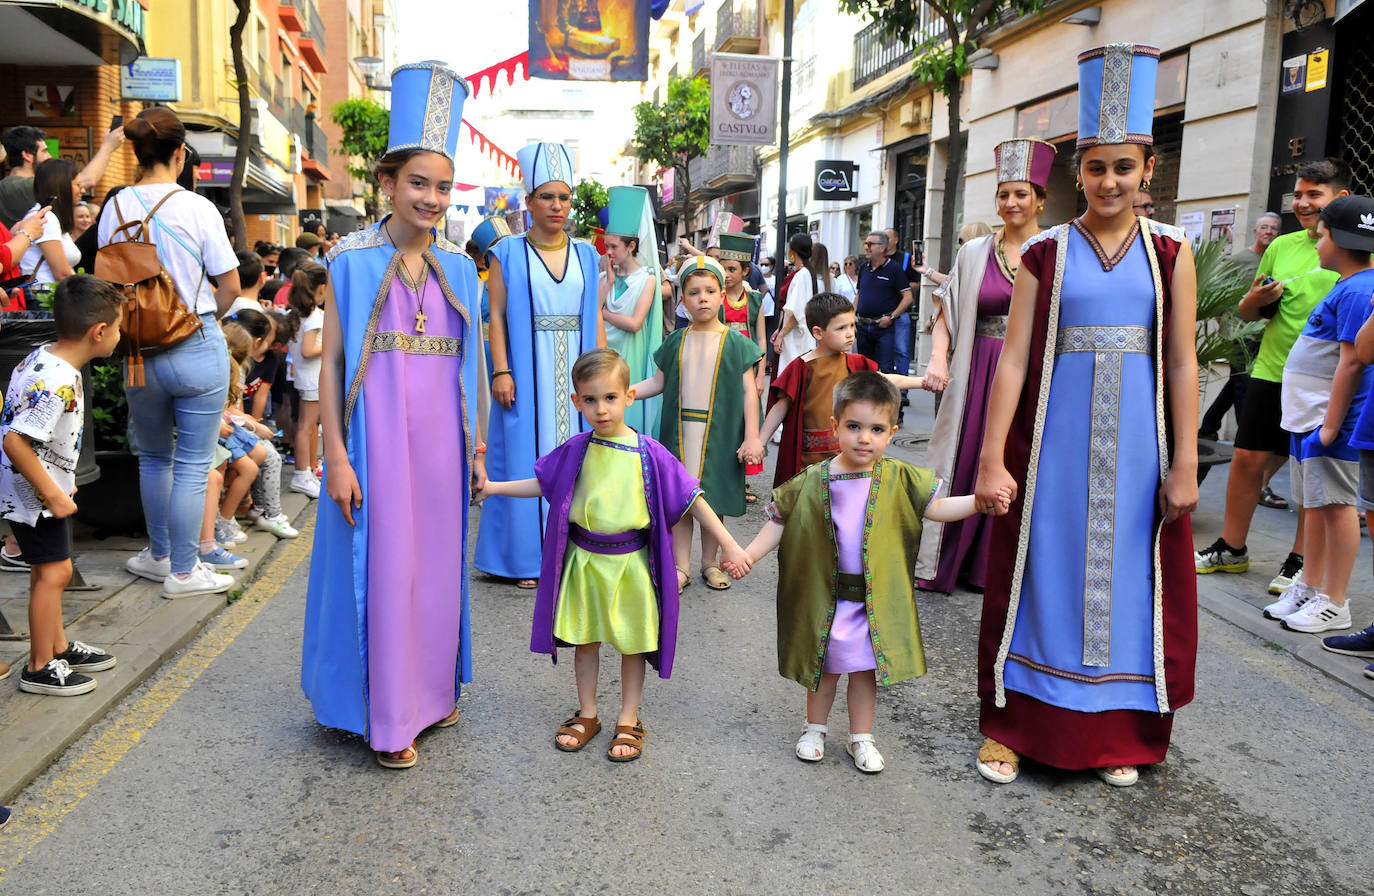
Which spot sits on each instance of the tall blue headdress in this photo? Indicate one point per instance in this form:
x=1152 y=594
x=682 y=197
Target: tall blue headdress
x=1116 y=94
x=426 y=108
x=542 y=163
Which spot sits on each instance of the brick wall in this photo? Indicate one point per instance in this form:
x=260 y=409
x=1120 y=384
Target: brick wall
x=96 y=90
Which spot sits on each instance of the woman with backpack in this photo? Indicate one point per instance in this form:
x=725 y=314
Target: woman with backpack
x=174 y=414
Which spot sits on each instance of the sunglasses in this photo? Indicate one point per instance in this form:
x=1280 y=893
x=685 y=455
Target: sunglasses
x=550 y=197
x=1144 y=205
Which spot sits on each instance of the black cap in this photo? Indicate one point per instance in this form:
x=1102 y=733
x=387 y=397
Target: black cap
x=1350 y=221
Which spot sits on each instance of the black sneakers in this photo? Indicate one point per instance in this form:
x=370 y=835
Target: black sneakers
x=56 y=679
x=85 y=658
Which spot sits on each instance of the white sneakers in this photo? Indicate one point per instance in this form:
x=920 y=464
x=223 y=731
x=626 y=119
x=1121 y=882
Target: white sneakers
x=143 y=564
x=229 y=531
x=202 y=579
x=306 y=483
x=1319 y=614
x=1292 y=598
x=278 y=525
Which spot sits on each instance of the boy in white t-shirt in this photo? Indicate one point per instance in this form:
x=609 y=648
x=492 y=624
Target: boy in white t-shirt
x=252 y=276
x=40 y=432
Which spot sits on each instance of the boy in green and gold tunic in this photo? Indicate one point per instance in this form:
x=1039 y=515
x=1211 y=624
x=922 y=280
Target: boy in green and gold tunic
x=849 y=529
x=710 y=413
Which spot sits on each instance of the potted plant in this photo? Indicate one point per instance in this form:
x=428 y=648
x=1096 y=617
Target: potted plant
x=1223 y=338
x=112 y=505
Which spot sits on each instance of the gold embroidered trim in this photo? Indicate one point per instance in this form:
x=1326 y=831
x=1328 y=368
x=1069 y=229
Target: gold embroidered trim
x=1079 y=676
x=378 y=301
x=1100 y=548
x=1100 y=340
x=1161 y=685
x=558 y=322
x=1108 y=261
x=395 y=340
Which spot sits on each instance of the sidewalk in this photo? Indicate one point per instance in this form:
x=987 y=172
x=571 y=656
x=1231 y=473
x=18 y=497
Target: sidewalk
x=125 y=615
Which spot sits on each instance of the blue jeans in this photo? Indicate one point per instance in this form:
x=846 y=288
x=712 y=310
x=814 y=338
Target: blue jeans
x=901 y=339
x=877 y=344
x=173 y=426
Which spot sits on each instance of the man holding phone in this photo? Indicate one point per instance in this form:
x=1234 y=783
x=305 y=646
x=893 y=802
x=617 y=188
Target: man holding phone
x=1287 y=286
x=25 y=148
x=901 y=327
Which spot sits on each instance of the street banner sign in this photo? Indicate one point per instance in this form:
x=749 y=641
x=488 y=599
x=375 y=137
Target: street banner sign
x=744 y=100
x=152 y=80
x=589 y=40
x=835 y=180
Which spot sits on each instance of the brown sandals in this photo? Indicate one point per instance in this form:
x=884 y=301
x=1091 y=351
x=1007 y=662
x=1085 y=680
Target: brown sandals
x=627 y=736
x=399 y=759
x=590 y=729
x=992 y=751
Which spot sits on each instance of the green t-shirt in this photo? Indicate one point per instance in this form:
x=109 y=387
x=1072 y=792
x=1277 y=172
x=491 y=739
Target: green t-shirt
x=1290 y=256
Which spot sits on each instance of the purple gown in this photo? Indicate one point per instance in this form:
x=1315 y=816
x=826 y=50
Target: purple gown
x=415 y=444
x=964 y=544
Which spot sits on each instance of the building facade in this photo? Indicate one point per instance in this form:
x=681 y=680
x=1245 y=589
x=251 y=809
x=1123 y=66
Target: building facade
x=60 y=64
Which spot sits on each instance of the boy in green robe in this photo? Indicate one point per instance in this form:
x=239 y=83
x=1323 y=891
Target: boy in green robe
x=849 y=530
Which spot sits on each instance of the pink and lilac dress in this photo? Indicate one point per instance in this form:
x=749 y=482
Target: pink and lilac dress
x=850 y=648
x=964 y=544
x=386 y=644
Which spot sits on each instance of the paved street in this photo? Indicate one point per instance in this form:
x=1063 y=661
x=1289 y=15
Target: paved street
x=213 y=777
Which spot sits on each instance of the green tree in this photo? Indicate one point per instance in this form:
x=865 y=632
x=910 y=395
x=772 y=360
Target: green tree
x=942 y=61
x=364 y=123
x=672 y=133
x=245 y=139
x=589 y=198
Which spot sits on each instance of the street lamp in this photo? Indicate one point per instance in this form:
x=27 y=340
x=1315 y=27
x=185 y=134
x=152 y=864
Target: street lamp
x=371 y=67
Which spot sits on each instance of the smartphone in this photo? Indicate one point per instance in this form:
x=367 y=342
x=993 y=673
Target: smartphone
x=52 y=201
x=117 y=122
x=1266 y=281
x=918 y=253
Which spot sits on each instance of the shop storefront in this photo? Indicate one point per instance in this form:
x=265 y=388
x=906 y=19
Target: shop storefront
x=60 y=61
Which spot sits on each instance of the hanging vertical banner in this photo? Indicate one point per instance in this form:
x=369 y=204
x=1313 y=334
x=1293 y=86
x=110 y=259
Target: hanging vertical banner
x=744 y=100
x=589 y=40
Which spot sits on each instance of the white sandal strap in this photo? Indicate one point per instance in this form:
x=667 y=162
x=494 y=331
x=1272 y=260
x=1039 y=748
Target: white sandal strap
x=818 y=729
x=861 y=738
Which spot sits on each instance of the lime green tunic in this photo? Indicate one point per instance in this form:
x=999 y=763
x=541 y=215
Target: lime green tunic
x=608 y=597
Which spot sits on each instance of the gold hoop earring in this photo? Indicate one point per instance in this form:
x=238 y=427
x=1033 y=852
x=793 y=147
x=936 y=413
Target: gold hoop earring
x=1040 y=208
x=1078 y=186
x=1145 y=186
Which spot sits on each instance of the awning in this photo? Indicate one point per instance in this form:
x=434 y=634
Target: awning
x=266 y=189
x=70 y=32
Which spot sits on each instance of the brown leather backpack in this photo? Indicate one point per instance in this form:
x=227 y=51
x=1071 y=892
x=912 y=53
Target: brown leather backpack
x=154 y=316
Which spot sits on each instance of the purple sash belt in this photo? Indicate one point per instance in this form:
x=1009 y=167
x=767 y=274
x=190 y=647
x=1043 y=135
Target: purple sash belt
x=614 y=543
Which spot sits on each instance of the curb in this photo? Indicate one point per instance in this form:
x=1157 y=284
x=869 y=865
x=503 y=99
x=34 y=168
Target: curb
x=143 y=630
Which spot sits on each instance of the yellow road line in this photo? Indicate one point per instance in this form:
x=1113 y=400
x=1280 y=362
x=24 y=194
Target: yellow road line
x=32 y=824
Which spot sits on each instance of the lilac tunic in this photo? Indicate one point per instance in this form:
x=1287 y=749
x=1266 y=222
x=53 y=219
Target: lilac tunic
x=414 y=444
x=964 y=544
x=849 y=649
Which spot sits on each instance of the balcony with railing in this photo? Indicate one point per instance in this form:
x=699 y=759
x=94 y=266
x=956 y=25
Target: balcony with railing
x=876 y=54
x=316 y=144
x=303 y=17
x=723 y=169
x=737 y=27
x=701 y=60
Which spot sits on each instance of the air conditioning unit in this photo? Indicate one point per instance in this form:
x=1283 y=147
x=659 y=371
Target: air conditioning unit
x=916 y=114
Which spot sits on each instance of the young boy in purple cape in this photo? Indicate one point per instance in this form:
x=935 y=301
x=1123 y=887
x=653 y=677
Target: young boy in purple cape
x=607 y=573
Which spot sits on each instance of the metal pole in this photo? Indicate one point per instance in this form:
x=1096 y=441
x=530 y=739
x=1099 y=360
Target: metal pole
x=780 y=260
